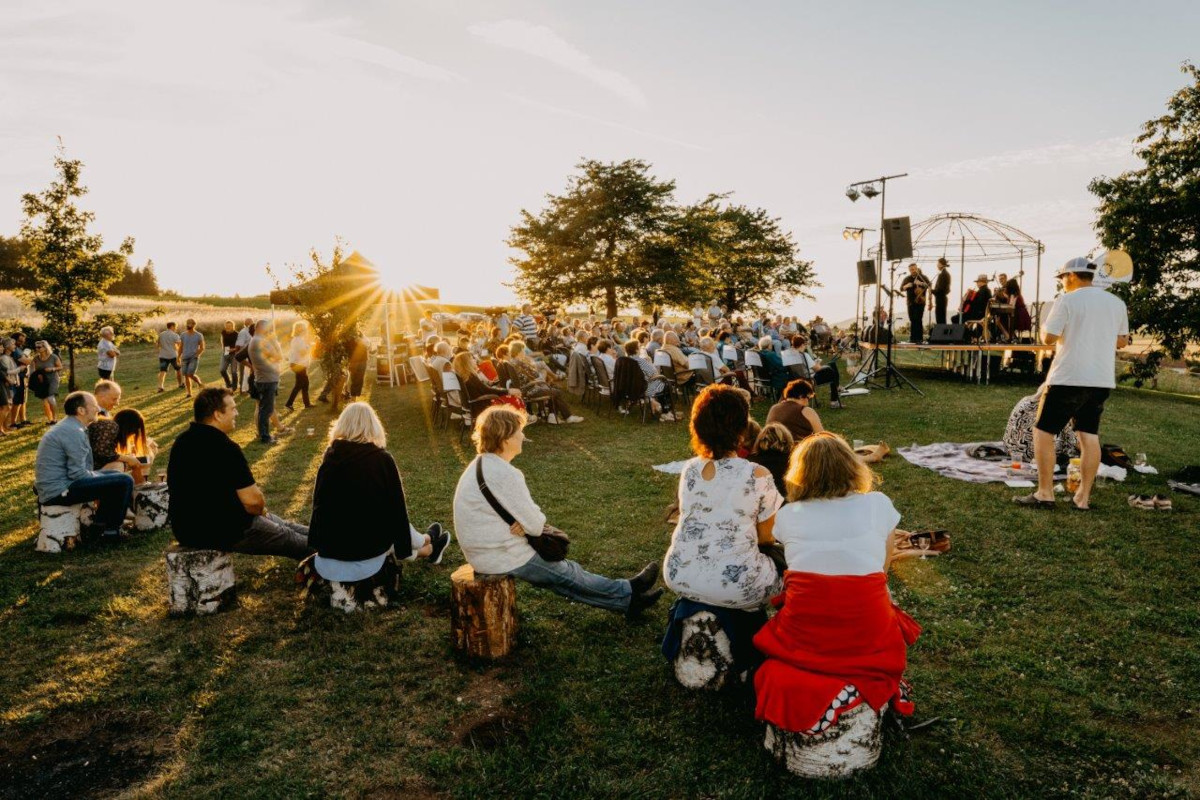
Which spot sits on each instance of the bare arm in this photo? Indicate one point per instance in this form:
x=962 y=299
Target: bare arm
x=1122 y=342
x=766 y=530
x=253 y=500
x=813 y=419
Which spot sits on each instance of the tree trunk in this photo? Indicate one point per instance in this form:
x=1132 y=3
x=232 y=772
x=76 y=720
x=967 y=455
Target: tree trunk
x=150 y=501
x=483 y=613
x=199 y=581
x=852 y=744
x=610 y=301
x=59 y=528
x=71 y=372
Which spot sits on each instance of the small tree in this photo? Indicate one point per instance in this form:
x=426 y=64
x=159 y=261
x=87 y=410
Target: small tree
x=1153 y=213
x=69 y=268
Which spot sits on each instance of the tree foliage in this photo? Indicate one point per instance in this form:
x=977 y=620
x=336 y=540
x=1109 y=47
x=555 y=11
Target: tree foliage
x=14 y=274
x=1153 y=213
x=69 y=267
x=142 y=282
x=617 y=234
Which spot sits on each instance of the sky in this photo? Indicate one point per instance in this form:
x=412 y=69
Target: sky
x=232 y=134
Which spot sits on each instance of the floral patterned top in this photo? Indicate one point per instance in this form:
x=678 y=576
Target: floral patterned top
x=714 y=557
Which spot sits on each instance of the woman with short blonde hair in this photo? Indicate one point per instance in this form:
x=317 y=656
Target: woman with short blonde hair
x=360 y=517
x=824 y=467
x=299 y=360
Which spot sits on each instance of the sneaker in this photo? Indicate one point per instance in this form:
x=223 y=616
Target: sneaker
x=836 y=404
x=640 y=602
x=161 y=390
x=574 y=419
x=270 y=441
x=644 y=580
x=532 y=419
x=667 y=417
x=440 y=539
x=552 y=419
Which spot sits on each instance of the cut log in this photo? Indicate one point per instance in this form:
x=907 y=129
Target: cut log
x=483 y=613
x=705 y=659
x=199 y=581
x=60 y=527
x=150 y=506
x=851 y=745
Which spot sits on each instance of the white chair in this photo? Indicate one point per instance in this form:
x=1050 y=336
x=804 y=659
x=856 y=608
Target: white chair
x=698 y=361
x=418 y=368
x=729 y=353
x=662 y=359
x=450 y=383
x=791 y=356
x=753 y=359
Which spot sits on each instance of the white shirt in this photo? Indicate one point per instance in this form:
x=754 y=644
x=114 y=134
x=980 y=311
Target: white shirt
x=844 y=536
x=243 y=338
x=1088 y=320
x=300 y=352
x=105 y=350
x=485 y=538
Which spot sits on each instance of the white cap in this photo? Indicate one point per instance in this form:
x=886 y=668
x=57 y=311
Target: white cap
x=1079 y=264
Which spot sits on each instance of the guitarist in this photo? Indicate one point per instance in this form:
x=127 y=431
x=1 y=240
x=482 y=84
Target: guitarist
x=915 y=287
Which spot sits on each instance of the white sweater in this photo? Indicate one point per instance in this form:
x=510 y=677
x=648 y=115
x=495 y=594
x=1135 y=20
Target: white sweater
x=485 y=538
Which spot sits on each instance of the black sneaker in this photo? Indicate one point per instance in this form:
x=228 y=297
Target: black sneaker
x=440 y=540
x=644 y=580
x=640 y=602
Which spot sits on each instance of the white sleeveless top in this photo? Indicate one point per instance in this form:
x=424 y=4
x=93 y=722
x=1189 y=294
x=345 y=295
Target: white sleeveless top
x=844 y=536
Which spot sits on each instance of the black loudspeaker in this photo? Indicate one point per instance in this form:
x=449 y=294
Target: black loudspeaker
x=866 y=273
x=897 y=238
x=948 y=334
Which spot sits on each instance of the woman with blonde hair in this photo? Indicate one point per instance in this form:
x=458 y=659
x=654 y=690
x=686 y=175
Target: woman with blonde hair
x=300 y=357
x=838 y=641
x=359 y=516
x=481 y=393
x=534 y=384
x=491 y=489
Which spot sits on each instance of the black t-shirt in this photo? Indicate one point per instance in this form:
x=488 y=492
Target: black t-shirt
x=229 y=338
x=204 y=474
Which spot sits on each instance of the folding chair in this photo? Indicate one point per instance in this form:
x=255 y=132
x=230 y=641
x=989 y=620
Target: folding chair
x=451 y=383
x=701 y=366
x=759 y=380
x=797 y=365
x=603 y=383
x=441 y=403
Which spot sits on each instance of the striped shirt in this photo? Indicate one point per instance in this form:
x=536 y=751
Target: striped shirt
x=527 y=325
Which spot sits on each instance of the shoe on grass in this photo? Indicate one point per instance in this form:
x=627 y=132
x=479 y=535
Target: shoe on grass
x=1033 y=501
x=440 y=539
x=644 y=580
x=640 y=602
x=574 y=419
x=1161 y=502
x=552 y=419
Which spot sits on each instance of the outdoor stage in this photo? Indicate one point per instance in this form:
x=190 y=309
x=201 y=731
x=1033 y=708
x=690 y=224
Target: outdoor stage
x=973 y=361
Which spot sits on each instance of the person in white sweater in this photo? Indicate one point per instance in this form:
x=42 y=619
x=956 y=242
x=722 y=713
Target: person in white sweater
x=493 y=547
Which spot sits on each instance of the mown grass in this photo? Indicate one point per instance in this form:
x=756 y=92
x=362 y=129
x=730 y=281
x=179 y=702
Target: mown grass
x=1060 y=649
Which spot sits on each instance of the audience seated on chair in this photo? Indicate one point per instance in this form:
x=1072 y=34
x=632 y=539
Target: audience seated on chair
x=774 y=371
x=534 y=385
x=215 y=502
x=479 y=392
x=65 y=474
x=493 y=546
x=657 y=390
x=773 y=450
x=794 y=412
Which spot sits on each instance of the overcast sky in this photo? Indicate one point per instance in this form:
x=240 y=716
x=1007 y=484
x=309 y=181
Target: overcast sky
x=229 y=134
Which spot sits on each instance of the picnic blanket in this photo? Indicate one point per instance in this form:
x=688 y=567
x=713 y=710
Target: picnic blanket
x=672 y=468
x=954 y=460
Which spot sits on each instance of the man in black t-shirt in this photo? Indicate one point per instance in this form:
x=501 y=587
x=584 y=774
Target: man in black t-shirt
x=215 y=503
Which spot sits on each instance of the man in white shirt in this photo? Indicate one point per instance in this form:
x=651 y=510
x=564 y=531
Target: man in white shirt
x=1084 y=325
x=243 y=341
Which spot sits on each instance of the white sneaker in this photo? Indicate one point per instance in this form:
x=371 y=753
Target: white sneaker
x=574 y=418
x=532 y=419
x=667 y=417
x=552 y=419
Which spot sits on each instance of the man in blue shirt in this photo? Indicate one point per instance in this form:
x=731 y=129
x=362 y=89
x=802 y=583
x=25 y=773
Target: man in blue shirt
x=63 y=474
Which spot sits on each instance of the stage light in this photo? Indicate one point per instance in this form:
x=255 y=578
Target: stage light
x=852 y=193
x=847 y=233
x=870 y=190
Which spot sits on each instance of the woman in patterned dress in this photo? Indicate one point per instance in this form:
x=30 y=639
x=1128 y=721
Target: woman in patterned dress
x=727 y=508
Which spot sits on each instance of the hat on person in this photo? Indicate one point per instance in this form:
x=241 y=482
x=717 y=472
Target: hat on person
x=982 y=278
x=1079 y=264
x=943 y=261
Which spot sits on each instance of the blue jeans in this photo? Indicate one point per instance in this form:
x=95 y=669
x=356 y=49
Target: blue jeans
x=113 y=490
x=227 y=369
x=266 y=407
x=572 y=581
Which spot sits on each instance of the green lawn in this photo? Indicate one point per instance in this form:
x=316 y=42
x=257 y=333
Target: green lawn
x=1060 y=649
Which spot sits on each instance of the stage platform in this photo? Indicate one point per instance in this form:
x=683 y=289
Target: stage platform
x=973 y=361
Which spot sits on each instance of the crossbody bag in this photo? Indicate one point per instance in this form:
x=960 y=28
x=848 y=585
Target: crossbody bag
x=551 y=545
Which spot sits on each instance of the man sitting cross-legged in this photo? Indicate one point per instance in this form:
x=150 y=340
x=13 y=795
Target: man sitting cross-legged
x=215 y=502
x=63 y=474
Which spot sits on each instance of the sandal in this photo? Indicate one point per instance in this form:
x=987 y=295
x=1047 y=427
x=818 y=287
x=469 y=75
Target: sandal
x=1161 y=502
x=1142 y=501
x=1033 y=501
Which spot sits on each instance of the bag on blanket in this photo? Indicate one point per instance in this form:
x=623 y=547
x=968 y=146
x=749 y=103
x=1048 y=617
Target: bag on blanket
x=1115 y=456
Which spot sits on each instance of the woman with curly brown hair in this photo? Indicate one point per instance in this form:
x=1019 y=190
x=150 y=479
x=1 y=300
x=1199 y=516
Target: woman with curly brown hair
x=726 y=509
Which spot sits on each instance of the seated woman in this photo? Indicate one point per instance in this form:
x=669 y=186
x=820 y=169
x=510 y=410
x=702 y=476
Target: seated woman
x=820 y=373
x=838 y=641
x=773 y=450
x=132 y=441
x=794 y=412
x=480 y=393
x=656 y=385
x=494 y=547
x=774 y=371
x=726 y=510
x=1018 y=433
x=721 y=371
x=532 y=382
x=359 y=516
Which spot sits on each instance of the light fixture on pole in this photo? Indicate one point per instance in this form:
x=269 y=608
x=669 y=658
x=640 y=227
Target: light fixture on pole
x=870 y=191
x=852 y=193
x=856 y=234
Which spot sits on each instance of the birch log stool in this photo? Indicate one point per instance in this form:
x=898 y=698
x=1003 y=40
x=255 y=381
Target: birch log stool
x=483 y=613
x=850 y=745
x=705 y=659
x=61 y=526
x=198 y=581
x=150 y=502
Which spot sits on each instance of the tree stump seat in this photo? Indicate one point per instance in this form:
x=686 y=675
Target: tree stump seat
x=150 y=501
x=705 y=659
x=483 y=613
x=199 y=581
x=60 y=526
x=850 y=745
x=377 y=591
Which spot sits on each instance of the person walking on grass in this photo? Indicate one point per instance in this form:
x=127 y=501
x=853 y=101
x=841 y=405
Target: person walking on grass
x=1084 y=325
x=228 y=351
x=21 y=356
x=266 y=358
x=299 y=357
x=107 y=352
x=8 y=382
x=168 y=355
x=45 y=373
x=191 y=347
x=239 y=347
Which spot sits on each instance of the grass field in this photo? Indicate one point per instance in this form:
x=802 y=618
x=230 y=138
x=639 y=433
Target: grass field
x=1060 y=652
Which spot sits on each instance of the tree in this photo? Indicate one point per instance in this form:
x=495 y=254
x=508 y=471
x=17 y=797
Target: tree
x=1153 y=213
x=69 y=267
x=136 y=281
x=13 y=272
x=590 y=242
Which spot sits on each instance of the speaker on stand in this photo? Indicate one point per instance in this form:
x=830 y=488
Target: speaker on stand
x=897 y=238
x=866 y=277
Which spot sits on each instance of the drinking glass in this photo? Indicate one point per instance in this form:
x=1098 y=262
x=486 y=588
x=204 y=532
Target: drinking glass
x=924 y=542
x=858 y=443
x=1140 y=459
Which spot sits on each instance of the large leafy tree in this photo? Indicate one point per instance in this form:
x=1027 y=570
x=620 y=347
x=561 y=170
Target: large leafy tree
x=592 y=241
x=71 y=271
x=13 y=272
x=1153 y=213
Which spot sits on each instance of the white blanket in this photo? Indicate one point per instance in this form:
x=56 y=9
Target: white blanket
x=951 y=460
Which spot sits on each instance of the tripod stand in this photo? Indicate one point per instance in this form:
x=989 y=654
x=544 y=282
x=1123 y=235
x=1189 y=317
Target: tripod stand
x=871 y=369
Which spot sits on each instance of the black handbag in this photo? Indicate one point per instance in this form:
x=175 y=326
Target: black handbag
x=551 y=545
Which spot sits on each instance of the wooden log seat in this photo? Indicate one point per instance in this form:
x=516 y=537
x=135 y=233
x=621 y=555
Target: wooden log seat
x=377 y=591
x=705 y=659
x=60 y=526
x=199 y=581
x=483 y=613
x=850 y=745
x=150 y=502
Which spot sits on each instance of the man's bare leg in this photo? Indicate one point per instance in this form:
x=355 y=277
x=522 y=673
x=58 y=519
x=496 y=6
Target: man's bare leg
x=1043 y=456
x=1089 y=465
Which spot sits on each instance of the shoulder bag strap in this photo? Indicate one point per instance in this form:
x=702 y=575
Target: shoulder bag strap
x=508 y=518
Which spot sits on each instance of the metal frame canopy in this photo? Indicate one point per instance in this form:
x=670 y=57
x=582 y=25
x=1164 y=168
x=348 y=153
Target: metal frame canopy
x=977 y=240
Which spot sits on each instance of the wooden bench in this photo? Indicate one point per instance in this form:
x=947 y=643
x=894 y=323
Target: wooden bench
x=705 y=659
x=850 y=745
x=60 y=526
x=199 y=581
x=483 y=613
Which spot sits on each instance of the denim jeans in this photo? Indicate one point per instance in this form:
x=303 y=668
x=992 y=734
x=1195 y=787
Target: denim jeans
x=270 y=535
x=570 y=580
x=113 y=490
x=227 y=370
x=266 y=407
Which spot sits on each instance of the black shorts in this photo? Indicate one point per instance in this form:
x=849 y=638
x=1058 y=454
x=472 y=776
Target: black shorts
x=1062 y=404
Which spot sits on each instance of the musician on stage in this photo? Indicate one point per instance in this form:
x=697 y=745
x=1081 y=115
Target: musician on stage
x=915 y=287
x=941 y=291
x=975 y=303
x=1013 y=320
